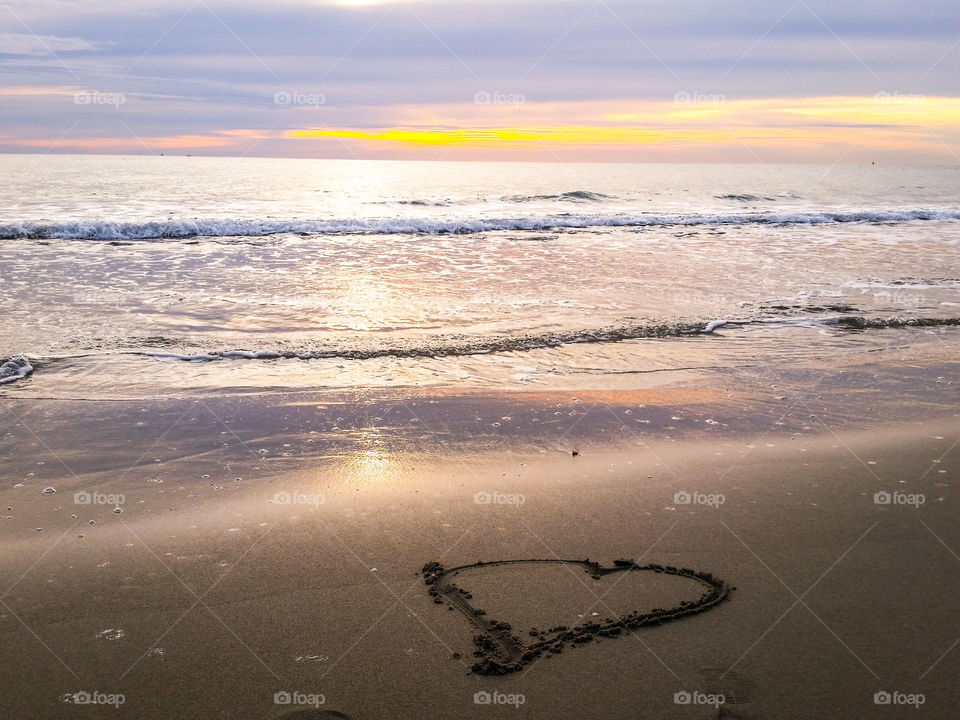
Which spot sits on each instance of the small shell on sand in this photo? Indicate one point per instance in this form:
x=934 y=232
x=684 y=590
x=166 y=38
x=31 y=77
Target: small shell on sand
x=111 y=634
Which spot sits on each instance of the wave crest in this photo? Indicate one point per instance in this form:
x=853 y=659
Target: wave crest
x=572 y=196
x=154 y=230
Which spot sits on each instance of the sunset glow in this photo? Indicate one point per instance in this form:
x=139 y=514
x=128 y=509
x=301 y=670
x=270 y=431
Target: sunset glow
x=491 y=81
x=802 y=122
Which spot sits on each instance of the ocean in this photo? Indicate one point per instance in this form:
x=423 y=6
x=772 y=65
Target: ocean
x=128 y=277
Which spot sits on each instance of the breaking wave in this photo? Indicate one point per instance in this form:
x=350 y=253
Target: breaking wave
x=572 y=196
x=107 y=230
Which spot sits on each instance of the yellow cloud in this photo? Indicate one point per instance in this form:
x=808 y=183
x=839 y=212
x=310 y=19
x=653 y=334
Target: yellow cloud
x=488 y=137
x=805 y=121
x=879 y=109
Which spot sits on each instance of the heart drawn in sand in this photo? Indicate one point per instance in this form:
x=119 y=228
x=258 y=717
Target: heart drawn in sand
x=499 y=651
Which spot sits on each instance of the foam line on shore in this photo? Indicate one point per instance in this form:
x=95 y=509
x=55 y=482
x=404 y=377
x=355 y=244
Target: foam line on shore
x=18 y=367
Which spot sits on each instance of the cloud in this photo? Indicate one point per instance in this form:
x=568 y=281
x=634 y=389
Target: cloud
x=130 y=143
x=197 y=69
x=43 y=45
x=689 y=118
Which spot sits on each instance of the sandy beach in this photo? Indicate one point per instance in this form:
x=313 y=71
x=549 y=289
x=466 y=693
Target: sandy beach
x=236 y=572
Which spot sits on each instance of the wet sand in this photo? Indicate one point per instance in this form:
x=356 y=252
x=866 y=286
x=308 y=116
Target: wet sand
x=234 y=579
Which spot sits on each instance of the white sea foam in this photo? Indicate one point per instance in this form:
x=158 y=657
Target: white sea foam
x=198 y=357
x=228 y=355
x=108 y=230
x=14 y=368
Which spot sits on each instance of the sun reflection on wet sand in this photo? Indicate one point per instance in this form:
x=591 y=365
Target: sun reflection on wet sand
x=372 y=461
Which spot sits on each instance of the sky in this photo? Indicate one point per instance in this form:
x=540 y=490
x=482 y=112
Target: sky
x=822 y=81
